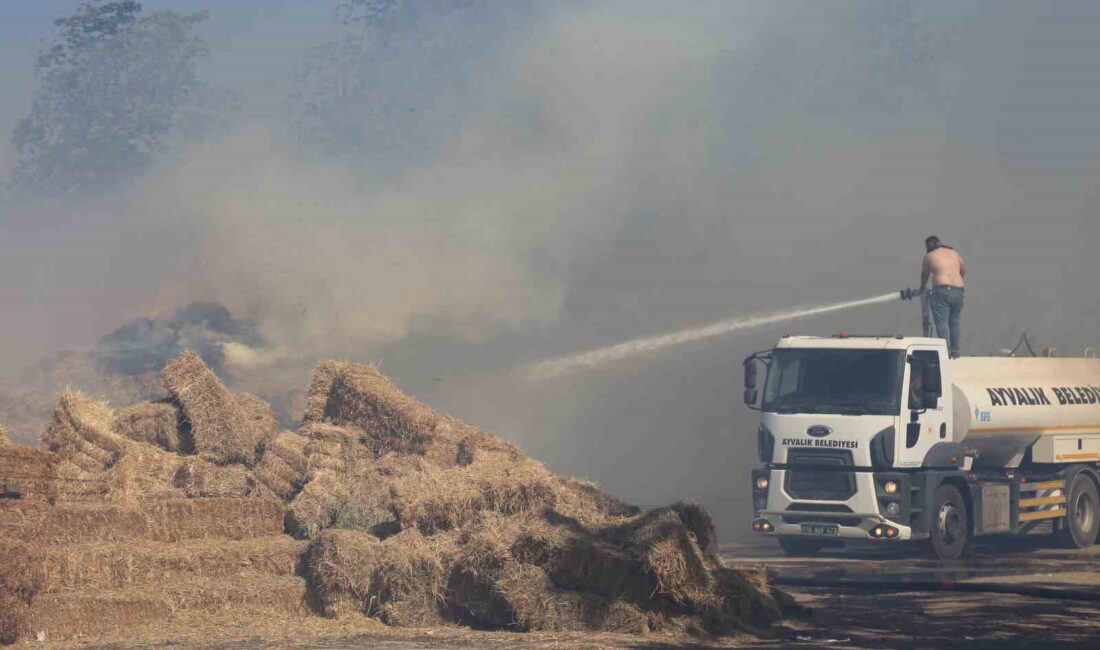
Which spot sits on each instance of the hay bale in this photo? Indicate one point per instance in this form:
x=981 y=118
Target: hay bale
x=745 y=600
x=330 y=433
x=113 y=565
x=585 y=500
x=199 y=478
x=73 y=615
x=315 y=507
x=651 y=560
x=469 y=443
x=220 y=429
x=156 y=423
x=340 y=566
x=473 y=586
x=284 y=466
x=361 y=400
x=533 y=572
x=21 y=580
x=260 y=416
x=401 y=580
x=80 y=431
x=499 y=579
x=290 y=448
x=324 y=374
x=368 y=508
x=278 y=477
x=360 y=396
x=74 y=483
x=21 y=569
x=535 y=604
x=128 y=612
x=28 y=473
x=143 y=472
x=164 y=521
x=434 y=499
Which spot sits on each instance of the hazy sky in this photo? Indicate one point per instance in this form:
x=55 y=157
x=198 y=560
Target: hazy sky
x=625 y=168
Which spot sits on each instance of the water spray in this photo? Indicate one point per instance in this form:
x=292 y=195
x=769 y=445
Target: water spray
x=601 y=357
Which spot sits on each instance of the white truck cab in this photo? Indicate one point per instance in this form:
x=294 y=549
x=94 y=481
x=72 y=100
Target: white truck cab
x=886 y=439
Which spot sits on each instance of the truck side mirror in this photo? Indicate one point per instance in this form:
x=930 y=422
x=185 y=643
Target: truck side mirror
x=750 y=381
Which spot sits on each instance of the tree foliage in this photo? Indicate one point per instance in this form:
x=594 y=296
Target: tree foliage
x=385 y=86
x=114 y=87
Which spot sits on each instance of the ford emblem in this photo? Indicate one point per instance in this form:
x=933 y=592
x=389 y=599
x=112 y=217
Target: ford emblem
x=818 y=431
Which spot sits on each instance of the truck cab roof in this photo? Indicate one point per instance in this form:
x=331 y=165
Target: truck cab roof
x=847 y=341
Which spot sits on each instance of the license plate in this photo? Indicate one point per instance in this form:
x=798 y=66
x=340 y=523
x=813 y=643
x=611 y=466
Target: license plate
x=819 y=529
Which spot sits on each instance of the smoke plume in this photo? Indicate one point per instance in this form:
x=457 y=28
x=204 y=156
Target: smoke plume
x=611 y=170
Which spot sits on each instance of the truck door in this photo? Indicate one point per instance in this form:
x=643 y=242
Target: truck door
x=921 y=428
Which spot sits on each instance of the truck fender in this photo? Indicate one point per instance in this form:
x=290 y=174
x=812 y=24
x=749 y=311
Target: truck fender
x=924 y=485
x=944 y=454
x=1072 y=471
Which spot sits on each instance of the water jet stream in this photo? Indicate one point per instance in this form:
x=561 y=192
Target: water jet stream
x=605 y=356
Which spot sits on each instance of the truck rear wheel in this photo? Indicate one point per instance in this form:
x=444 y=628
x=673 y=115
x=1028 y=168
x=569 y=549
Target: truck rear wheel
x=950 y=529
x=1082 y=513
x=798 y=547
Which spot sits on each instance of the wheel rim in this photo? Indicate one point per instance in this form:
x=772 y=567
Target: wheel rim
x=1083 y=511
x=950 y=523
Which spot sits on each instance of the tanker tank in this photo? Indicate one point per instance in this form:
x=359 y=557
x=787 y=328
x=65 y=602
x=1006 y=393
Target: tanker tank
x=1004 y=406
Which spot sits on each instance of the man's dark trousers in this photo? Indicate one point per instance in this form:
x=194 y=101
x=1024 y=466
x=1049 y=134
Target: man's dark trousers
x=947 y=304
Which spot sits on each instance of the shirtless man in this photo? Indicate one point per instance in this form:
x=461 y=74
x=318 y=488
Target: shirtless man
x=946 y=269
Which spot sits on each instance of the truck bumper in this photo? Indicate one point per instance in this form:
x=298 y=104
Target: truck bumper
x=858 y=517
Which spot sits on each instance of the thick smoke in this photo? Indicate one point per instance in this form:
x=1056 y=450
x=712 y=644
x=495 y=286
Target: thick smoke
x=147 y=344
x=624 y=169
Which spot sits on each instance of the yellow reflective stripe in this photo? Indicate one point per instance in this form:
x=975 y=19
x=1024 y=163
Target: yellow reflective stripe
x=1039 y=429
x=1042 y=501
x=1081 y=456
x=1044 y=485
x=1042 y=514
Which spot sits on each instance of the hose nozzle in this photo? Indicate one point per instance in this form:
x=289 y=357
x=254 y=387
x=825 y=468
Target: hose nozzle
x=909 y=294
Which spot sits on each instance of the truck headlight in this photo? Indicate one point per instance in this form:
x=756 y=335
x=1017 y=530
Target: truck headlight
x=890 y=487
x=762 y=483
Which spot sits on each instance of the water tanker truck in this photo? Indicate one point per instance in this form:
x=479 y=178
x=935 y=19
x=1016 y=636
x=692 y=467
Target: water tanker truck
x=886 y=439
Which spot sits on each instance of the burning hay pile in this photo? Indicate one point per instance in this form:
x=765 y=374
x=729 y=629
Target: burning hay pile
x=420 y=519
x=376 y=507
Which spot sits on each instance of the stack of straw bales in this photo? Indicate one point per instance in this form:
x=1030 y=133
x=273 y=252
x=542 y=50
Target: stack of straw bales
x=376 y=507
x=117 y=526
x=419 y=519
x=87 y=570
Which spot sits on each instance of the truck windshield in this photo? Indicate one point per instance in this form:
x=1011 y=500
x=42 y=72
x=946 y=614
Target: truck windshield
x=844 y=381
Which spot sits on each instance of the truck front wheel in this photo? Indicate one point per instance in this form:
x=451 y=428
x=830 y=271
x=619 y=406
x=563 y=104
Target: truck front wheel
x=798 y=547
x=1082 y=518
x=950 y=529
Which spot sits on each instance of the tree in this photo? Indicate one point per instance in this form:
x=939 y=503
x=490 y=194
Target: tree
x=393 y=78
x=114 y=87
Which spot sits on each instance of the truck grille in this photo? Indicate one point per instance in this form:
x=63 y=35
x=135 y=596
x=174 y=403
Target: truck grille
x=825 y=513
x=819 y=475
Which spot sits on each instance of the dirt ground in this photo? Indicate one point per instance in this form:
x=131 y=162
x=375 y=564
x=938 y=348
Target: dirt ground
x=867 y=612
